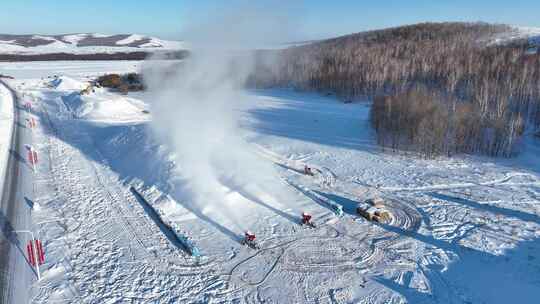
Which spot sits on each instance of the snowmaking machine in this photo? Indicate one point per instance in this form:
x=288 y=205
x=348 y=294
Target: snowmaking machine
x=306 y=220
x=308 y=171
x=249 y=240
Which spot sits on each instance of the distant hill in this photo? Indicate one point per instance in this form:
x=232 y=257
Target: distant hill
x=84 y=44
x=530 y=35
x=437 y=88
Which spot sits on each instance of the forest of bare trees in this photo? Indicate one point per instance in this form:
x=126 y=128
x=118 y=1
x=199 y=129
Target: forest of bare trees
x=434 y=124
x=438 y=88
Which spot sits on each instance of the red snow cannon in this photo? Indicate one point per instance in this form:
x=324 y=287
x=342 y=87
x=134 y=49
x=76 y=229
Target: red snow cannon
x=249 y=239
x=250 y=236
x=306 y=220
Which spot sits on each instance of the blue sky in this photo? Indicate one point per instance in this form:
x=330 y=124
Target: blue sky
x=316 y=18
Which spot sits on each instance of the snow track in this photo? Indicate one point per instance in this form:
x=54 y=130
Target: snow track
x=463 y=230
x=108 y=230
x=362 y=255
x=325 y=176
x=501 y=181
x=404 y=215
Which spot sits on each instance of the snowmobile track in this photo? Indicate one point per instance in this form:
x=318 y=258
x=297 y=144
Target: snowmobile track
x=118 y=214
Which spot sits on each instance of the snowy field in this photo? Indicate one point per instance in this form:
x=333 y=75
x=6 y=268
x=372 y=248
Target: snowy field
x=463 y=230
x=6 y=128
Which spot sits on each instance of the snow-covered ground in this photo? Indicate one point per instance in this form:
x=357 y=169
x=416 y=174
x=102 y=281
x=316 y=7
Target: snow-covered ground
x=74 y=69
x=463 y=230
x=6 y=127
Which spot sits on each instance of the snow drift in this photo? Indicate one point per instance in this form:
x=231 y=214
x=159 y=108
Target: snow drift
x=103 y=107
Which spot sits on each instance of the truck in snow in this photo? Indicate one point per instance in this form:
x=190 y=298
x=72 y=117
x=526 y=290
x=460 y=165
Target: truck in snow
x=373 y=210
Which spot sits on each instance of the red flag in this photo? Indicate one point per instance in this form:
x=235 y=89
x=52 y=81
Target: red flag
x=30 y=157
x=31 y=256
x=41 y=255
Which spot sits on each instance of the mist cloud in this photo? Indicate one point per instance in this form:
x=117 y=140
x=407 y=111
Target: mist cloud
x=195 y=108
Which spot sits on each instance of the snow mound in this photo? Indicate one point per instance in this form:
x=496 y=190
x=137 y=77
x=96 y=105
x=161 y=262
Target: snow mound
x=64 y=83
x=105 y=107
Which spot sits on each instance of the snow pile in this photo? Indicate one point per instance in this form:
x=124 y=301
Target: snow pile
x=115 y=109
x=6 y=129
x=99 y=105
x=104 y=107
x=64 y=83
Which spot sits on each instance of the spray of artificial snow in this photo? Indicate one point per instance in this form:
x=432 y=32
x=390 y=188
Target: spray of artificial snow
x=195 y=109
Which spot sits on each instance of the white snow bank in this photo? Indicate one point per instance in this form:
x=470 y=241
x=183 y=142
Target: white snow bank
x=105 y=107
x=64 y=83
x=6 y=130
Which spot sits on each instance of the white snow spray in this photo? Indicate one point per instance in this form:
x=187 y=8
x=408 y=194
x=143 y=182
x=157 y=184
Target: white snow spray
x=196 y=107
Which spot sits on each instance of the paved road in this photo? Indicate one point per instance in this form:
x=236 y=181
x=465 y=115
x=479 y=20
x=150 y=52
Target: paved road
x=16 y=275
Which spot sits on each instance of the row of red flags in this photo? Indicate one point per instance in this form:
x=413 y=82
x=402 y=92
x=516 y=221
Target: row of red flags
x=32 y=253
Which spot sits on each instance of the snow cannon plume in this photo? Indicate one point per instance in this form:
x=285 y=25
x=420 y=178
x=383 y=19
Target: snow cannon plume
x=197 y=105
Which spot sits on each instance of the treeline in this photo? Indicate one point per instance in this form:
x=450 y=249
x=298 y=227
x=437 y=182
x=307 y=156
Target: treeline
x=497 y=83
x=436 y=124
x=172 y=55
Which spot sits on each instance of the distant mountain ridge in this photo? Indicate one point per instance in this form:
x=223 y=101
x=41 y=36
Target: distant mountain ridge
x=518 y=33
x=84 y=43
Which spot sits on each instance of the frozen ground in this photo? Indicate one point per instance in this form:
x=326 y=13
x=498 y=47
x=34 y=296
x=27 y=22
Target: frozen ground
x=464 y=230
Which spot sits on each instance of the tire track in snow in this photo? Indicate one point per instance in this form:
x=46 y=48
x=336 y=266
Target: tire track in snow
x=503 y=181
x=325 y=176
x=134 y=231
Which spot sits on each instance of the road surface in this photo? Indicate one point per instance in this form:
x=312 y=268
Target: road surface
x=16 y=275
